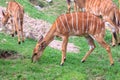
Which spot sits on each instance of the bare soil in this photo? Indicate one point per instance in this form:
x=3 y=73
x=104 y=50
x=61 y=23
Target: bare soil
x=9 y=55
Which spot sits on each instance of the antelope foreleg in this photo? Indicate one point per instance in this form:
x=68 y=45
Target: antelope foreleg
x=18 y=31
x=13 y=31
x=64 y=47
x=21 y=23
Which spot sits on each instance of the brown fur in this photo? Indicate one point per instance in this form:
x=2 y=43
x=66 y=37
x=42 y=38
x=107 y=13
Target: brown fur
x=15 y=13
x=74 y=24
x=105 y=8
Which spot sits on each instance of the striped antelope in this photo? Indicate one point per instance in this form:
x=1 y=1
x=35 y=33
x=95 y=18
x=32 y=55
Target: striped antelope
x=75 y=24
x=105 y=8
x=15 y=13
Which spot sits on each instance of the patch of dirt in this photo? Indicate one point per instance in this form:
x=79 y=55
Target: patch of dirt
x=9 y=54
x=34 y=28
x=58 y=44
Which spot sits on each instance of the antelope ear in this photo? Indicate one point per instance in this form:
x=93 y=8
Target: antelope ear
x=41 y=38
x=3 y=12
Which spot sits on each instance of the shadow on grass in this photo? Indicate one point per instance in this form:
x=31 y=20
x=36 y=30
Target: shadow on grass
x=9 y=54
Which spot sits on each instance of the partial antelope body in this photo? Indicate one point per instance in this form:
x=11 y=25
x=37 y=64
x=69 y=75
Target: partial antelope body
x=105 y=8
x=76 y=5
x=75 y=24
x=15 y=13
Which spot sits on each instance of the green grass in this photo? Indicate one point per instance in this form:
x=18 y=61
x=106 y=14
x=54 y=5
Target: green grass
x=48 y=68
x=96 y=66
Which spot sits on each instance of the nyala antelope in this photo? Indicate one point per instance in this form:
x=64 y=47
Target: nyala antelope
x=15 y=13
x=75 y=24
x=76 y=5
x=102 y=8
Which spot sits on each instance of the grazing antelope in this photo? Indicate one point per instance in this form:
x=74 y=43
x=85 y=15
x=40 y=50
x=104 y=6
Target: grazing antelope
x=75 y=24
x=105 y=8
x=15 y=13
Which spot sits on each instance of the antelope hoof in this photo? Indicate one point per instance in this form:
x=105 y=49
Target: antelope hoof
x=61 y=64
x=118 y=43
x=82 y=61
x=16 y=32
x=23 y=41
x=12 y=35
x=19 y=42
x=113 y=45
x=65 y=59
x=112 y=64
x=32 y=61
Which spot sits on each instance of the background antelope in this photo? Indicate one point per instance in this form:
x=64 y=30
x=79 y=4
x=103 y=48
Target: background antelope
x=15 y=13
x=81 y=6
x=103 y=8
x=75 y=24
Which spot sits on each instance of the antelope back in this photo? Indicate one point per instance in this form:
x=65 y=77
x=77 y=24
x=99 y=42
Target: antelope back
x=14 y=6
x=98 y=6
x=79 y=23
x=105 y=8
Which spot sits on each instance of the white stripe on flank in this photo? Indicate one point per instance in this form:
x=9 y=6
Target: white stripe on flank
x=87 y=22
x=95 y=6
x=97 y=25
x=72 y=23
x=62 y=24
x=67 y=22
x=94 y=3
x=116 y=17
x=90 y=3
x=106 y=6
x=83 y=23
x=77 y=21
x=94 y=25
x=109 y=7
x=57 y=27
x=91 y=25
x=101 y=8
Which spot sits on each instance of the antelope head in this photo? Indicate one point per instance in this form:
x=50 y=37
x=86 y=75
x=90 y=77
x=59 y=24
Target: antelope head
x=5 y=17
x=38 y=50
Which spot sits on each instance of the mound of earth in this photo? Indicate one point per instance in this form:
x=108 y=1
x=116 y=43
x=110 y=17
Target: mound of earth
x=34 y=28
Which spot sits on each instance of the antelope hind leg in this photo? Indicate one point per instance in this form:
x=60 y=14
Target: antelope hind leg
x=101 y=41
x=92 y=47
